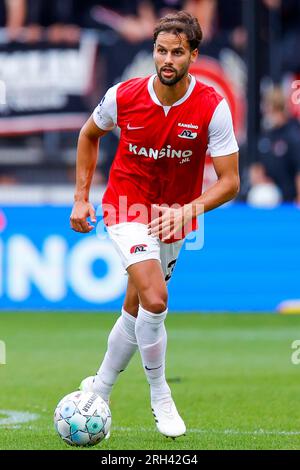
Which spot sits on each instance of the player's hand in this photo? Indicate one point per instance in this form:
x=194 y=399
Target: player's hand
x=170 y=222
x=78 y=220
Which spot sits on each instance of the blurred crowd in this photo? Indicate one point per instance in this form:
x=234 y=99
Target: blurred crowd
x=32 y=20
x=274 y=172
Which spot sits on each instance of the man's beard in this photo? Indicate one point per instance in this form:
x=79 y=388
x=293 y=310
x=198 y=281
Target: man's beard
x=170 y=81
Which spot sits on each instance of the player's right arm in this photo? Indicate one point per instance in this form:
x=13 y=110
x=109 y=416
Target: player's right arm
x=102 y=121
x=87 y=155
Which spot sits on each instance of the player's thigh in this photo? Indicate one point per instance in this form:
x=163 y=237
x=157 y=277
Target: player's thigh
x=169 y=253
x=133 y=243
x=140 y=255
x=148 y=279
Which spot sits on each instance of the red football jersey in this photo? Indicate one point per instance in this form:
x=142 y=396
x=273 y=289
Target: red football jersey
x=161 y=153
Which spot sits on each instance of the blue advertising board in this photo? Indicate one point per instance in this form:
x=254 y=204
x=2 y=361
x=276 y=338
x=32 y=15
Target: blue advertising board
x=250 y=261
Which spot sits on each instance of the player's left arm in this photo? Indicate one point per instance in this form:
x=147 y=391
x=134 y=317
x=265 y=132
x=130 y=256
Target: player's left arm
x=224 y=151
x=225 y=189
x=223 y=148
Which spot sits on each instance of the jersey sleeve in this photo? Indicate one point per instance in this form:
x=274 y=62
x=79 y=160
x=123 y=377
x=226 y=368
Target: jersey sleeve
x=221 y=138
x=105 y=114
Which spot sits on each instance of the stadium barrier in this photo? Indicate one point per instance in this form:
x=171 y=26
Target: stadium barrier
x=250 y=262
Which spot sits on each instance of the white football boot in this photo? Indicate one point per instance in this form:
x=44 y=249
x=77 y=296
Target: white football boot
x=87 y=385
x=167 y=418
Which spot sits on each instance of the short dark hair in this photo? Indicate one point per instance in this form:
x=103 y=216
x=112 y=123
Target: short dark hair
x=181 y=22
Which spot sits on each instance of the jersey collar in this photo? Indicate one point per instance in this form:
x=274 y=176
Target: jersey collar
x=177 y=103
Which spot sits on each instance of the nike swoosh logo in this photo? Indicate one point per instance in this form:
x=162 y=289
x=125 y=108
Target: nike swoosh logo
x=133 y=128
x=154 y=368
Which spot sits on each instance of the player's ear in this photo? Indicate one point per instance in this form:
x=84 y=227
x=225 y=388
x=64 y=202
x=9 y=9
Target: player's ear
x=194 y=55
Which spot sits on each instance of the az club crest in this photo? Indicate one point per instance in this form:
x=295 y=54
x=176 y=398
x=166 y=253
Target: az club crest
x=187 y=134
x=138 y=248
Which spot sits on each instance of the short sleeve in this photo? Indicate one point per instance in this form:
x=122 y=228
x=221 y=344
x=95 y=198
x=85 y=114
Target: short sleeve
x=105 y=114
x=221 y=138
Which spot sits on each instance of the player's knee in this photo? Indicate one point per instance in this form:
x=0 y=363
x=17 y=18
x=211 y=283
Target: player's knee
x=131 y=307
x=155 y=303
x=156 y=307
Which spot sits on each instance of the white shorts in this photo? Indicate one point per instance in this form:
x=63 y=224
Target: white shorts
x=134 y=245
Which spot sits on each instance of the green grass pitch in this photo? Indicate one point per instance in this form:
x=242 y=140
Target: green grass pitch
x=232 y=379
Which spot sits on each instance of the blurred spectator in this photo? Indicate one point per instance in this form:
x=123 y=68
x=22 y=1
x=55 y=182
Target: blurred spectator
x=230 y=23
x=133 y=20
x=264 y=195
x=57 y=16
x=279 y=148
x=2 y=14
x=284 y=32
x=12 y=16
x=291 y=35
x=221 y=23
x=205 y=11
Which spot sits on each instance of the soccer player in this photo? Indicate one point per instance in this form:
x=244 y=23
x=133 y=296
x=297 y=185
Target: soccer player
x=168 y=121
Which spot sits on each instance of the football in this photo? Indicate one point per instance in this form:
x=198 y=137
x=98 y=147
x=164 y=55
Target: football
x=82 y=419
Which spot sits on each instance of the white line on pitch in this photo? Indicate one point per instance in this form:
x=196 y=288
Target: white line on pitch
x=12 y=417
x=257 y=432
